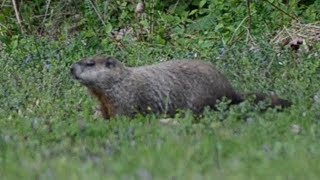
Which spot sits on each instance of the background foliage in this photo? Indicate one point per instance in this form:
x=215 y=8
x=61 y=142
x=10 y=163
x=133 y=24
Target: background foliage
x=47 y=125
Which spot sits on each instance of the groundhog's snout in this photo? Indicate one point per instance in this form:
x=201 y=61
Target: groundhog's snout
x=75 y=70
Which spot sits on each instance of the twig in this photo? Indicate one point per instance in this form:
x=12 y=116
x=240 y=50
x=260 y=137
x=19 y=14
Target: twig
x=293 y=17
x=97 y=12
x=249 y=16
x=236 y=30
x=3 y=3
x=151 y=17
x=288 y=32
x=313 y=26
x=277 y=36
x=17 y=14
x=3 y=26
x=45 y=14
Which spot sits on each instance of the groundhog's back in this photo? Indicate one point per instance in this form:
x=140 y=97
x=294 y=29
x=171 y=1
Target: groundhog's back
x=181 y=84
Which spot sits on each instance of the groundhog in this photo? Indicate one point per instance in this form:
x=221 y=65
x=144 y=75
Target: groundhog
x=162 y=88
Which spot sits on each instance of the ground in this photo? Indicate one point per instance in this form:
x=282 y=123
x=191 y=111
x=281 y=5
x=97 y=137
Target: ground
x=49 y=128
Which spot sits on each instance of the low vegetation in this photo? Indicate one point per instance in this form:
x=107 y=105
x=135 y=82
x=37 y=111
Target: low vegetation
x=48 y=126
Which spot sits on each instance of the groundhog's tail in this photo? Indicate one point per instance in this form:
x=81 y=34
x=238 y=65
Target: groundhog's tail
x=272 y=99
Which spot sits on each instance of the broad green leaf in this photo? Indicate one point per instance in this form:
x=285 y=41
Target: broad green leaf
x=108 y=28
x=202 y=3
x=193 y=12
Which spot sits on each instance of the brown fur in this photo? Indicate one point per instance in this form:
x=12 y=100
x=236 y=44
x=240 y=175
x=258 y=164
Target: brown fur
x=106 y=106
x=161 y=88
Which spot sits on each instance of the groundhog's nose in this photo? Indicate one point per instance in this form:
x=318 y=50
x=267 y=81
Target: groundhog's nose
x=74 y=70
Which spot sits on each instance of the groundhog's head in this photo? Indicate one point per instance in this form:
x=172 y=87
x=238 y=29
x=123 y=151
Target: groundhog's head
x=98 y=71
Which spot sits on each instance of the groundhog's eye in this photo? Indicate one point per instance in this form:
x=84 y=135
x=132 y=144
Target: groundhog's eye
x=90 y=63
x=110 y=63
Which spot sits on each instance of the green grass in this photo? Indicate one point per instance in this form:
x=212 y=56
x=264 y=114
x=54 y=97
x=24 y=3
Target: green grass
x=48 y=130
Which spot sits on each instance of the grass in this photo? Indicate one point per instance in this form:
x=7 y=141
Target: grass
x=48 y=130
